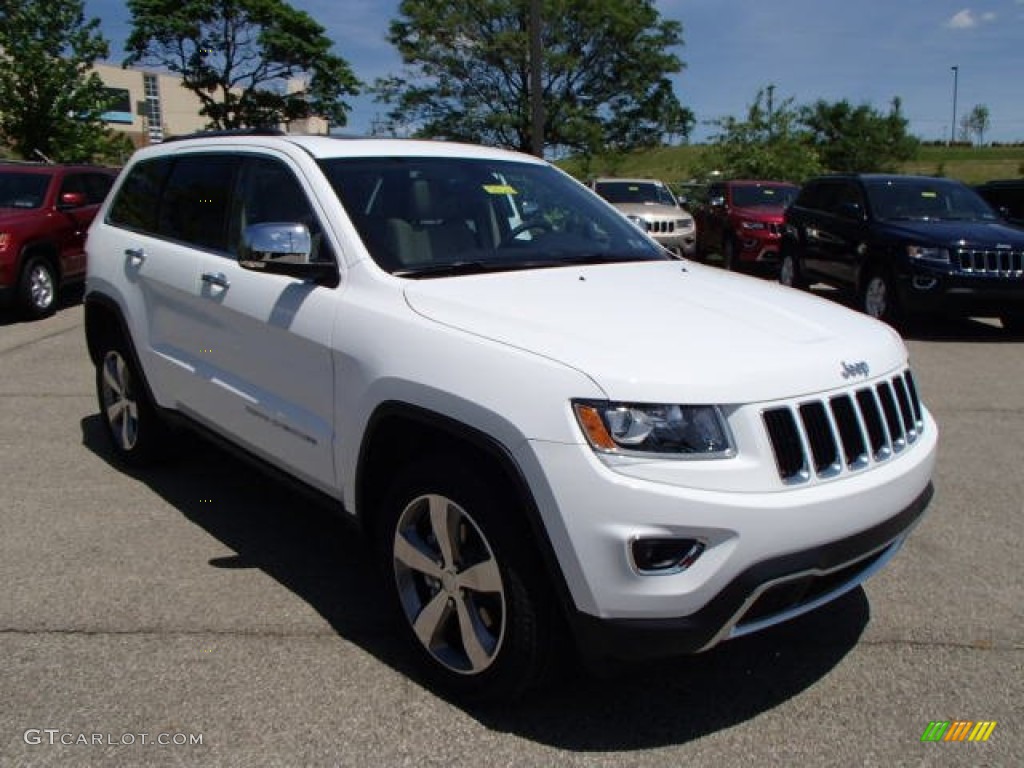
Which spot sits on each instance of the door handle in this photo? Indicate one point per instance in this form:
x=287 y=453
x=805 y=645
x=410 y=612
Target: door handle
x=216 y=278
x=135 y=255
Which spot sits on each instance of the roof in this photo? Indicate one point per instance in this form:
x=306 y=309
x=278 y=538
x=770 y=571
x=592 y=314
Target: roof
x=322 y=147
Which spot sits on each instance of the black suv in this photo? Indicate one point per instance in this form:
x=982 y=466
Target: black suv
x=906 y=244
x=1006 y=196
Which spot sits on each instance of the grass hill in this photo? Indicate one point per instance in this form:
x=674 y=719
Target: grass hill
x=672 y=164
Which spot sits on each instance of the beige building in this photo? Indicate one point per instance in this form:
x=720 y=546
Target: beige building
x=153 y=105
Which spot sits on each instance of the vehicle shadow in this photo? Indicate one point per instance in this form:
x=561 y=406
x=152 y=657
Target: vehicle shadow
x=325 y=562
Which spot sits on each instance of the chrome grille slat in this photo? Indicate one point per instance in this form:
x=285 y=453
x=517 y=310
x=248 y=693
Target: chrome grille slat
x=847 y=432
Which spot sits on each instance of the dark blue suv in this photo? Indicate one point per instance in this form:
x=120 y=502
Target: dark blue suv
x=906 y=245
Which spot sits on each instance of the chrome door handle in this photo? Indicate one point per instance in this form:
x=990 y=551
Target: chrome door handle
x=135 y=255
x=215 y=278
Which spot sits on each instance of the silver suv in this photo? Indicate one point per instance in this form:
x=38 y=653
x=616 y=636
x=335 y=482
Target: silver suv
x=650 y=205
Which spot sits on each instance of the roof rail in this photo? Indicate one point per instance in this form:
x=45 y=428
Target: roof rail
x=265 y=131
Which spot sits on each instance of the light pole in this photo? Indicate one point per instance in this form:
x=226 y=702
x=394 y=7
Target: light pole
x=952 y=130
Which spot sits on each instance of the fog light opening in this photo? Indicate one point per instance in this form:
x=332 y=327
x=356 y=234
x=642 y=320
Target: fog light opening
x=925 y=283
x=665 y=556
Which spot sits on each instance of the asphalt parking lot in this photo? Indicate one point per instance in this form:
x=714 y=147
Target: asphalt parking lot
x=205 y=603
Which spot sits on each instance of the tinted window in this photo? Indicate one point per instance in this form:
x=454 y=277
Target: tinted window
x=634 y=192
x=138 y=200
x=97 y=185
x=194 y=206
x=912 y=198
x=23 y=190
x=750 y=195
x=269 y=192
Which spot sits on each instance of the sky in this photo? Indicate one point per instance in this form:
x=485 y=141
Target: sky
x=864 y=51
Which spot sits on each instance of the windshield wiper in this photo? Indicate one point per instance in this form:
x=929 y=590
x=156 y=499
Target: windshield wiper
x=477 y=266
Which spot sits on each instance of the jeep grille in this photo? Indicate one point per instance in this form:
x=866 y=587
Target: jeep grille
x=845 y=432
x=994 y=263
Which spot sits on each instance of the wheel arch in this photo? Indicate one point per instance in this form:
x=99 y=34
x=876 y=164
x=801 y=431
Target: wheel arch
x=105 y=321
x=398 y=433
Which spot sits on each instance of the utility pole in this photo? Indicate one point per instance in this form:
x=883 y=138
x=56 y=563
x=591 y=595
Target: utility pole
x=952 y=130
x=536 y=81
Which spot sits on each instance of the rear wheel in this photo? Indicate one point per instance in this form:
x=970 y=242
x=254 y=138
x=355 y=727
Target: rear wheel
x=132 y=423
x=465 y=581
x=37 y=287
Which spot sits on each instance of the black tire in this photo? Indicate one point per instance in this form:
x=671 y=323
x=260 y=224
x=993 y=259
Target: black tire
x=729 y=254
x=789 y=270
x=878 y=297
x=38 y=288
x=486 y=642
x=137 y=434
x=1013 y=322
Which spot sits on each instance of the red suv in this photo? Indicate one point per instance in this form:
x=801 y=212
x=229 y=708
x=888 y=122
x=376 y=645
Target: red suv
x=742 y=220
x=45 y=213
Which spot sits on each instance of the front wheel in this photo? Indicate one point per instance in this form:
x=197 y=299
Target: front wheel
x=1013 y=322
x=789 y=271
x=462 y=573
x=878 y=297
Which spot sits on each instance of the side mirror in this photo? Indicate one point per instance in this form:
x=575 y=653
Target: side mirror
x=717 y=201
x=852 y=211
x=71 y=200
x=282 y=248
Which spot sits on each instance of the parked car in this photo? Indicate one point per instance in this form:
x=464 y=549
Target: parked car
x=906 y=245
x=742 y=220
x=652 y=206
x=45 y=212
x=1006 y=196
x=538 y=418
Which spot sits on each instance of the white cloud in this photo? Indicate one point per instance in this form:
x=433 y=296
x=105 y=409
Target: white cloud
x=967 y=19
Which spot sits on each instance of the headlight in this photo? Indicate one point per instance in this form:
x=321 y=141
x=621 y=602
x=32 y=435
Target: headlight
x=640 y=223
x=664 y=431
x=757 y=225
x=928 y=254
x=3 y=241
x=684 y=223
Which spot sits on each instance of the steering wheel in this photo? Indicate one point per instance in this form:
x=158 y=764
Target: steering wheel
x=532 y=225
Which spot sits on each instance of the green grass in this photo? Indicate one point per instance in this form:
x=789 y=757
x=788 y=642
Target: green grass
x=674 y=164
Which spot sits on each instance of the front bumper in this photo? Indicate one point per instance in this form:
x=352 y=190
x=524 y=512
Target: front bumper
x=954 y=294
x=765 y=594
x=770 y=552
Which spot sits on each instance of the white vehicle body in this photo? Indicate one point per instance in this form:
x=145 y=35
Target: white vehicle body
x=300 y=374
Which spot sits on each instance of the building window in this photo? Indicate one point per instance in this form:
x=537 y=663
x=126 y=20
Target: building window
x=154 y=114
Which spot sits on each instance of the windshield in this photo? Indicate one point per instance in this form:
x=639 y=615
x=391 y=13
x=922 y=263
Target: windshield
x=926 y=199
x=776 y=195
x=635 y=192
x=423 y=217
x=23 y=190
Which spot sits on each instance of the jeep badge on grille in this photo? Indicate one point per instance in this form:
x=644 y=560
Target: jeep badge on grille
x=851 y=370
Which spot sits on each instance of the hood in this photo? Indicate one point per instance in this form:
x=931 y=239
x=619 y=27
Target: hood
x=8 y=215
x=761 y=212
x=666 y=331
x=981 y=234
x=651 y=209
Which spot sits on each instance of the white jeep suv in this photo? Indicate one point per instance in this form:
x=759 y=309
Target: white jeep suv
x=539 y=420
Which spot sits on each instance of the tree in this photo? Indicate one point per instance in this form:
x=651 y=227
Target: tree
x=604 y=73
x=50 y=101
x=767 y=145
x=858 y=139
x=976 y=122
x=240 y=58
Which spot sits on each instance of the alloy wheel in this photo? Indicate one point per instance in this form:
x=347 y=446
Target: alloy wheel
x=449 y=584
x=120 y=406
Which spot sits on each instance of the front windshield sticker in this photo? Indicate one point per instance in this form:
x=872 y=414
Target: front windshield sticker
x=930 y=195
x=499 y=189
